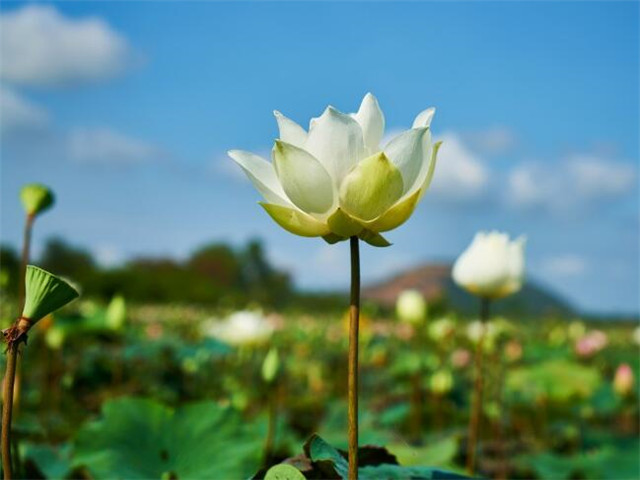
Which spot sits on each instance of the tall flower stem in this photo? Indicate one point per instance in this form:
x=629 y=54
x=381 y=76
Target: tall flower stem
x=7 y=408
x=26 y=249
x=354 y=321
x=476 y=407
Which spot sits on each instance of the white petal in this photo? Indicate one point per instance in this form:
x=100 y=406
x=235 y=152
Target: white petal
x=335 y=139
x=371 y=120
x=424 y=118
x=407 y=153
x=290 y=131
x=303 y=178
x=262 y=175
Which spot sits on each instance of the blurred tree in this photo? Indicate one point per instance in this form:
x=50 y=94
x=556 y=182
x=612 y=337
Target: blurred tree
x=68 y=261
x=9 y=270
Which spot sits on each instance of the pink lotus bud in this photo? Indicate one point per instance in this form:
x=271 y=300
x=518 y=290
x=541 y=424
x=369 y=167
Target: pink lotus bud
x=460 y=358
x=623 y=380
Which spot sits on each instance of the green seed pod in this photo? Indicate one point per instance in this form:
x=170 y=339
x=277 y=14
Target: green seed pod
x=44 y=294
x=36 y=198
x=270 y=366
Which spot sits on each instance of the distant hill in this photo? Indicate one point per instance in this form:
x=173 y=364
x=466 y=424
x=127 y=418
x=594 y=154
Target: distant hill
x=434 y=282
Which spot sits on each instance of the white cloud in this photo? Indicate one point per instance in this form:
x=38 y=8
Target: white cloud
x=102 y=145
x=41 y=47
x=569 y=265
x=493 y=140
x=17 y=114
x=578 y=180
x=460 y=174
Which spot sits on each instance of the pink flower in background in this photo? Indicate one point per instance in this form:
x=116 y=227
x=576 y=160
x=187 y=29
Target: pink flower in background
x=591 y=343
x=460 y=358
x=623 y=380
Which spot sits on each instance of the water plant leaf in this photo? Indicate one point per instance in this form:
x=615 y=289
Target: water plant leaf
x=53 y=462
x=45 y=293
x=141 y=438
x=36 y=198
x=284 y=472
x=556 y=380
x=333 y=464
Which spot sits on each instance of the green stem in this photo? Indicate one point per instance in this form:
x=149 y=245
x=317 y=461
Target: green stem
x=7 y=408
x=476 y=408
x=271 y=428
x=354 y=320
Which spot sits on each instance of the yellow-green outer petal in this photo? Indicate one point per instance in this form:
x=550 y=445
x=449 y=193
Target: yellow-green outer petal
x=343 y=225
x=374 y=239
x=36 y=198
x=44 y=293
x=332 y=238
x=396 y=215
x=295 y=221
x=373 y=186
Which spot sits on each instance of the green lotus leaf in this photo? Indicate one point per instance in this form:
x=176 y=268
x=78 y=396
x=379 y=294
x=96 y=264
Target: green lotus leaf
x=333 y=465
x=44 y=293
x=284 y=471
x=53 y=462
x=141 y=438
x=295 y=221
x=36 y=198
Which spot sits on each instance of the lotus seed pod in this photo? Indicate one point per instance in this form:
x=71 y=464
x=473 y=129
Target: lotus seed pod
x=270 y=366
x=36 y=198
x=411 y=307
x=44 y=293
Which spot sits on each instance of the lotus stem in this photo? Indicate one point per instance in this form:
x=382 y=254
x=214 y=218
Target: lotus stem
x=354 y=320
x=476 y=407
x=269 y=442
x=26 y=249
x=7 y=407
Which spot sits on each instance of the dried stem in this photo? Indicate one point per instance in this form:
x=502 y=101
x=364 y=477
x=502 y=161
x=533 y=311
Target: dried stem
x=476 y=408
x=7 y=408
x=354 y=320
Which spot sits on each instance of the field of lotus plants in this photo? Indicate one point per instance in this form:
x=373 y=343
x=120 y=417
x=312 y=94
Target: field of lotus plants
x=123 y=389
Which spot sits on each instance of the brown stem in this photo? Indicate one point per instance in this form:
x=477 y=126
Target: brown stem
x=476 y=408
x=354 y=320
x=7 y=407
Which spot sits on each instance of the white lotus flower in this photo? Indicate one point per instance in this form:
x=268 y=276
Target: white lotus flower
x=492 y=266
x=241 y=328
x=411 y=307
x=336 y=181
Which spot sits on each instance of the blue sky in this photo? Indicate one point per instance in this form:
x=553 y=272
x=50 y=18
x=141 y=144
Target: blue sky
x=127 y=110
